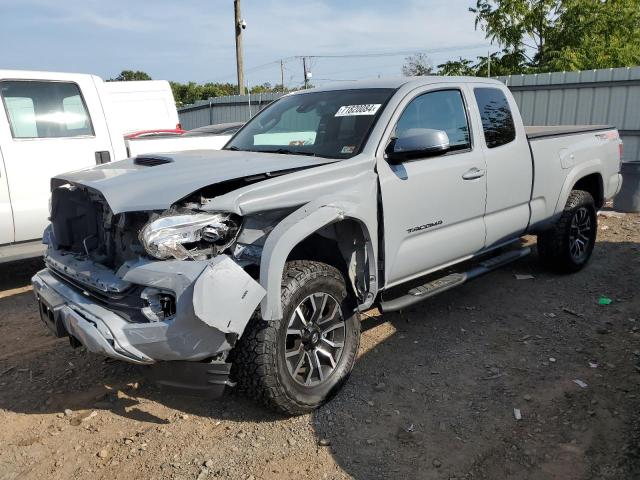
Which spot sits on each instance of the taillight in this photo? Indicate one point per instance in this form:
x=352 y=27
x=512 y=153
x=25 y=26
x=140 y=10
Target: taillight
x=178 y=126
x=620 y=149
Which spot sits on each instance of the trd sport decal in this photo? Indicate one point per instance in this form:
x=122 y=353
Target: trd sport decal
x=424 y=227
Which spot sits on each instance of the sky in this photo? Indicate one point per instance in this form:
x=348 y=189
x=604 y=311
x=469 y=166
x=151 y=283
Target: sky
x=193 y=40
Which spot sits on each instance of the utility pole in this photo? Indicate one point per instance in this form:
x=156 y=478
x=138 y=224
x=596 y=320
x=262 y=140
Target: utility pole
x=304 y=68
x=282 y=74
x=240 y=25
x=488 y=63
x=249 y=91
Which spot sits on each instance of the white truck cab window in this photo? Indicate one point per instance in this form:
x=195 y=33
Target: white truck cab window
x=22 y=116
x=440 y=110
x=45 y=109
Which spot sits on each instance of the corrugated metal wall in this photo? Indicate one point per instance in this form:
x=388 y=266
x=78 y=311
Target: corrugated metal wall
x=236 y=108
x=594 y=97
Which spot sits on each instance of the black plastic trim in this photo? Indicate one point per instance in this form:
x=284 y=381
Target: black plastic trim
x=570 y=130
x=208 y=379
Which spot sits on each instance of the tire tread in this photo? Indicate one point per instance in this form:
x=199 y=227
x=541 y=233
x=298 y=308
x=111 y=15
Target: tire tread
x=254 y=367
x=552 y=242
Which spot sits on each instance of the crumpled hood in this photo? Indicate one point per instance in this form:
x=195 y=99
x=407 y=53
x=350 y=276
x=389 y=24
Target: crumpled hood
x=129 y=187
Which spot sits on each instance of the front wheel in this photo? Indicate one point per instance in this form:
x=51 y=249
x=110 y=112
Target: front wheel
x=567 y=246
x=299 y=362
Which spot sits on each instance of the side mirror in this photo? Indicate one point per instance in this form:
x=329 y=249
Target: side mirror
x=417 y=143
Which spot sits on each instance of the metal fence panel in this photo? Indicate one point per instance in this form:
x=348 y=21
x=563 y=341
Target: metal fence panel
x=595 y=97
x=236 y=108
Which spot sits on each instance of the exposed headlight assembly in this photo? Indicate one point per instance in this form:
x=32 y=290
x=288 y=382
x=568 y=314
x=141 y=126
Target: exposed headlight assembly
x=189 y=235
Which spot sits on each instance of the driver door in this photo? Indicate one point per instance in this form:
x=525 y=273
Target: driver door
x=6 y=215
x=433 y=207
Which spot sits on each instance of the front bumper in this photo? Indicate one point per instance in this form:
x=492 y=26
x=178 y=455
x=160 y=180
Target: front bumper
x=104 y=333
x=214 y=302
x=67 y=312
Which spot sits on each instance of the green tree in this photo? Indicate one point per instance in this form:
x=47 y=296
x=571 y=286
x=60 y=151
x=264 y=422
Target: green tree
x=548 y=35
x=184 y=93
x=518 y=25
x=191 y=92
x=210 y=90
x=277 y=88
x=417 y=64
x=462 y=66
x=595 y=34
x=129 y=75
x=501 y=63
x=264 y=88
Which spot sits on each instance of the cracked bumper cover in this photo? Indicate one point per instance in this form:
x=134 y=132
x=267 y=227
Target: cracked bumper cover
x=213 y=298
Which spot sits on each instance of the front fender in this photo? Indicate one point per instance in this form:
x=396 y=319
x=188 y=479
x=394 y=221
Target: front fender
x=301 y=224
x=287 y=234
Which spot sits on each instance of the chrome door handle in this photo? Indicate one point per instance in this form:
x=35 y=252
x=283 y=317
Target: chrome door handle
x=473 y=174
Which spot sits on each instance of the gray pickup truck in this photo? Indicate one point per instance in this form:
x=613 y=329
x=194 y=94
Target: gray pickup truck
x=247 y=267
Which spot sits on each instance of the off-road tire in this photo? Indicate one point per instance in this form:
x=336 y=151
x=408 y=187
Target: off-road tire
x=554 y=244
x=259 y=366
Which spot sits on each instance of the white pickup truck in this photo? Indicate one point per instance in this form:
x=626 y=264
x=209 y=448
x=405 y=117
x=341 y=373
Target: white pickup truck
x=248 y=266
x=56 y=122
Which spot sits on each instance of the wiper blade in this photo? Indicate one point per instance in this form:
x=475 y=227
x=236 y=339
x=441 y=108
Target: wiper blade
x=286 y=151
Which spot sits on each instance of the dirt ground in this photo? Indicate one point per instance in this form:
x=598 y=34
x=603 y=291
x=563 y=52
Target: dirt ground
x=432 y=395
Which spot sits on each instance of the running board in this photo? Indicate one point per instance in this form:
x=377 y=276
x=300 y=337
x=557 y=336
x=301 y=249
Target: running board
x=439 y=285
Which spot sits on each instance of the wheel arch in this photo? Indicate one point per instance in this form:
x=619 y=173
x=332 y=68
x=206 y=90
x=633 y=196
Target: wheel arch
x=594 y=184
x=332 y=234
x=587 y=177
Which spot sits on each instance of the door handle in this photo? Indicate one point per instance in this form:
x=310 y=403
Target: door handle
x=473 y=174
x=103 y=157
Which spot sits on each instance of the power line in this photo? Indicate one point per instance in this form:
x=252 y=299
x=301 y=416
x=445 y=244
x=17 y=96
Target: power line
x=360 y=69
x=335 y=80
x=402 y=52
x=395 y=53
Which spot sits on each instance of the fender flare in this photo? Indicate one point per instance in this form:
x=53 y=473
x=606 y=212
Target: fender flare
x=587 y=168
x=287 y=234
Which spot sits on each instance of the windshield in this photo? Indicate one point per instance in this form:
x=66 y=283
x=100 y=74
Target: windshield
x=333 y=124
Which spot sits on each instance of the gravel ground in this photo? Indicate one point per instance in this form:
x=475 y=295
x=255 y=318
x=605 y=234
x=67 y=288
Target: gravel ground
x=433 y=395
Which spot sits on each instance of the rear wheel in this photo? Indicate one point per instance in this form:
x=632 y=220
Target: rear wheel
x=567 y=246
x=299 y=362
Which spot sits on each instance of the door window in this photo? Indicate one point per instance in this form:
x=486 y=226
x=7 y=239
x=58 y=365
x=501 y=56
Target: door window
x=45 y=109
x=497 y=120
x=440 y=110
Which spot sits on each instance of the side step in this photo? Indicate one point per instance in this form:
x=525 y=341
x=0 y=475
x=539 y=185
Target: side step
x=443 y=284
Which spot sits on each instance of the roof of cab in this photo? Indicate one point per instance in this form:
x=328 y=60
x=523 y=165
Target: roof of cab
x=397 y=82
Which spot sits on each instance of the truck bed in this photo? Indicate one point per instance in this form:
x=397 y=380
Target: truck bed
x=564 y=153
x=534 y=132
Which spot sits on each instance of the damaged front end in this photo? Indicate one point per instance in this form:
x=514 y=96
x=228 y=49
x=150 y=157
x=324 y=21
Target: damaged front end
x=152 y=287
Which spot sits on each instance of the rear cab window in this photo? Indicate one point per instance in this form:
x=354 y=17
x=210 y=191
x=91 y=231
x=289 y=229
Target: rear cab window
x=497 y=119
x=45 y=109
